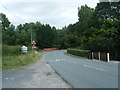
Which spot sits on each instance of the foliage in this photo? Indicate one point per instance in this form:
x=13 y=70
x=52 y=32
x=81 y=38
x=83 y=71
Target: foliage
x=10 y=50
x=8 y=36
x=84 y=14
x=75 y=56
x=5 y=21
x=107 y=10
x=44 y=36
x=78 y=52
x=103 y=39
x=97 y=30
x=20 y=61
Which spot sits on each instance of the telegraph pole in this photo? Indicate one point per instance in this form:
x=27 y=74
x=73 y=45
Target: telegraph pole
x=31 y=33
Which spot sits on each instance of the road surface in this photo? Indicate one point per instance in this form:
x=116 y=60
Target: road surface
x=81 y=73
x=39 y=75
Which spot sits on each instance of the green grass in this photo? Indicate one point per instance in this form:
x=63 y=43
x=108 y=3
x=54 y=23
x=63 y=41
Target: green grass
x=75 y=56
x=82 y=57
x=20 y=61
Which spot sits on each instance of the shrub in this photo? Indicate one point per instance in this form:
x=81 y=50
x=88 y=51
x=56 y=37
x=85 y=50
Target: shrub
x=78 y=52
x=11 y=50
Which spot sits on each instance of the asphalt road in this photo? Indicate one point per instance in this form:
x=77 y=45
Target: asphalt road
x=39 y=75
x=81 y=73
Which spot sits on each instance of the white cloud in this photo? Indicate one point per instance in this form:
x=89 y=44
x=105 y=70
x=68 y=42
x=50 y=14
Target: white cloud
x=57 y=13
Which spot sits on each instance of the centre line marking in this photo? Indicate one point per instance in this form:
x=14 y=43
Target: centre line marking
x=10 y=78
x=71 y=61
x=93 y=67
x=6 y=78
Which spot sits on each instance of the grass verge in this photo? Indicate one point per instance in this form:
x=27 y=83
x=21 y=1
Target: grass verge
x=20 y=61
x=75 y=56
x=81 y=57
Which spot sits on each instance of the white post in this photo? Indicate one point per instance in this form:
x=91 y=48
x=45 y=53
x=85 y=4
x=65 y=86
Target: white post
x=92 y=56
x=99 y=55
x=108 y=58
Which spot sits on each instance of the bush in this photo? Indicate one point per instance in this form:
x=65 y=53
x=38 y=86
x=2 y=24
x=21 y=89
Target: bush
x=10 y=50
x=78 y=52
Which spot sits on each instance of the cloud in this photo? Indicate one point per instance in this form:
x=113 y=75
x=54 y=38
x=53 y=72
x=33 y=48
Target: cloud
x=57 y=13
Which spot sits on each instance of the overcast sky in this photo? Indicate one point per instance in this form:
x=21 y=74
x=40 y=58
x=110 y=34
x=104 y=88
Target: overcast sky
x=57 y=13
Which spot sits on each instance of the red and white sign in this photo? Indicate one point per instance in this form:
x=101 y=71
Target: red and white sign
x=33 y=42
x=34 y=47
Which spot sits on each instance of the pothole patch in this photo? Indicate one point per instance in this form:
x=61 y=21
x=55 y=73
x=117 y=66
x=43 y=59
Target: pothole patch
x=47 y=73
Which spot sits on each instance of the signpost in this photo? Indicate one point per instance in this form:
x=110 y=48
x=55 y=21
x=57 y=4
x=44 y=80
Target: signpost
x=33 y=45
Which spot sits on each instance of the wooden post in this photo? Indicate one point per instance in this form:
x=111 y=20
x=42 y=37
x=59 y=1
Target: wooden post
x=108 y=57
x=99 y=55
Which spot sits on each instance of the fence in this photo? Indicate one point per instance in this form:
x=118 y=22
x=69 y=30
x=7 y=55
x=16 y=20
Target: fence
x=100 y=56
x=49 y=49
x=114 y=58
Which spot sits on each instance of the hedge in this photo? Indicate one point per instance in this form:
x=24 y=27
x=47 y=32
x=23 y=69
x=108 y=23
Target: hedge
x=78 y=52
x=10 y=50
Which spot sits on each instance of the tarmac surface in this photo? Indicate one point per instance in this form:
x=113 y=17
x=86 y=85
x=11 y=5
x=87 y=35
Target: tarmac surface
x=39 y=75
x=83 y=73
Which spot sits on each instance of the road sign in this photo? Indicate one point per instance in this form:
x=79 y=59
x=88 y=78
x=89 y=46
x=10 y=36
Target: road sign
x=33 y=42
x=34 y=47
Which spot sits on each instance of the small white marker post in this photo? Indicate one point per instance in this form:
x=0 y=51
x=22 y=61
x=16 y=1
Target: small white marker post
x=108 y=58
x=92 y=56
x=99 y=55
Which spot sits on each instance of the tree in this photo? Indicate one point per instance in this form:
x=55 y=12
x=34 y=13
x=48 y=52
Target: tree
x=19 y=28
x=105 y=39
x=44 y=35
x=84 y=14
x=9 y=35
x=107 y=10
x=5 y=21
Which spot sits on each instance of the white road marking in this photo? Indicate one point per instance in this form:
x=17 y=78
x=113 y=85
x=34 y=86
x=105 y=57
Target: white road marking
x=63 y=59
x=57 y=60
x=52 y=60
x=72 y=61
x=10 y=78
x=6 y=78
x=93 y=67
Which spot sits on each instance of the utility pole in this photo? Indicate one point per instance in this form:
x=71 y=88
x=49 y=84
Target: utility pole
x=31 y=34
x=0 y=31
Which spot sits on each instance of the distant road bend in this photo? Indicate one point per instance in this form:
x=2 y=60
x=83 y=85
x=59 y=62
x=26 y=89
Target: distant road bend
x=81 y=73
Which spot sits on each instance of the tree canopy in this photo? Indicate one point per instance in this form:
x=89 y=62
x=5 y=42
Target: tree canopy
x=97 y=30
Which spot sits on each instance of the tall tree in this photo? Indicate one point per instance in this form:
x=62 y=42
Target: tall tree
x=5 y=21
x=107 y=10
x=44 y=35
x=84 y=14
x=9 y=35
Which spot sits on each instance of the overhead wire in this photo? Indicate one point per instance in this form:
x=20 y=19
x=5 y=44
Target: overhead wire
x=11 y=12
